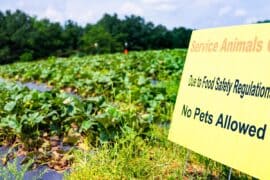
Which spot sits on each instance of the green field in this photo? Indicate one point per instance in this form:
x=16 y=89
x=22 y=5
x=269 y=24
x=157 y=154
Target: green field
x=112 y=111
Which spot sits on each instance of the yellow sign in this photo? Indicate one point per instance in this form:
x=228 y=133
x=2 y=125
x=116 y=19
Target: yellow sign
x=223 y=104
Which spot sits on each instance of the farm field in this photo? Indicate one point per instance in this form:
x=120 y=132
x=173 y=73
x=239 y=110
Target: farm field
x=105 y=117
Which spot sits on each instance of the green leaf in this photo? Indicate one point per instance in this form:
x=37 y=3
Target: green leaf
x=11 y=121
x=86 y=125
x=141 y=80
x=36 y=118
x=10 y=106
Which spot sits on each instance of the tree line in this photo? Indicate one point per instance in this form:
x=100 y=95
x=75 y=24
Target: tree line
x=25 y=38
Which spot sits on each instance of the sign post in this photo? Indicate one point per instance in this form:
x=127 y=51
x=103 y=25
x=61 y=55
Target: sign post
x=222 y=109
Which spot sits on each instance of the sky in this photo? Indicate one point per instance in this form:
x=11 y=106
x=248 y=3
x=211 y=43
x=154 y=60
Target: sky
x=196 y=14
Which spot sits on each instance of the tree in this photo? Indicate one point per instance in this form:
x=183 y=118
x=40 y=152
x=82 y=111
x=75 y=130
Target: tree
x=97 y=40
x=265 y=21
x=137 y=32
x=23 y=37
x=47 y=38
x=14 y=34
x=160 y=38
x=113 y=25
x=71 y=37
x=181 y=37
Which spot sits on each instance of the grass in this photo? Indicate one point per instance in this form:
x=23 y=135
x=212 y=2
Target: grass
x=130 y=157
x=11 y=170
x=151 y=157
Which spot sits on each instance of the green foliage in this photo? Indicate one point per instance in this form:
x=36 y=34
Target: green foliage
x=27 y=56
x=97 y=40
x=4 y=54
x=11 y=171
x=128 y=158
x=71 y=38
x=114 y=91
x=152 y=157
x=26 y=38
x=121 y=104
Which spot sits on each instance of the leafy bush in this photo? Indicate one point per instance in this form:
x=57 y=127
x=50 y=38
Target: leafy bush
x=27 y=56
x=112 y=91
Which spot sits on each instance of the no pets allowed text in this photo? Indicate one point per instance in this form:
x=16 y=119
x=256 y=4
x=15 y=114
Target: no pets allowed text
x=225 y=121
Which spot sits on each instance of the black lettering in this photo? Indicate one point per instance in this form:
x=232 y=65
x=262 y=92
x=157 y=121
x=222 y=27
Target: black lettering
x=197 y=112
x=243 y=128
x=202 y=117
x=234 y=125
x=220 y=120
x=261 y=132
x=252 y=130
x=210 y=119
x=186 y=111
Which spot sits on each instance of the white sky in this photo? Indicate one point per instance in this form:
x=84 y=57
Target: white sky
x=171 y=13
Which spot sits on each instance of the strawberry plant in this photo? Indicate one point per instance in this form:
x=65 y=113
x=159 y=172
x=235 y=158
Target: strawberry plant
x=93 y=96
